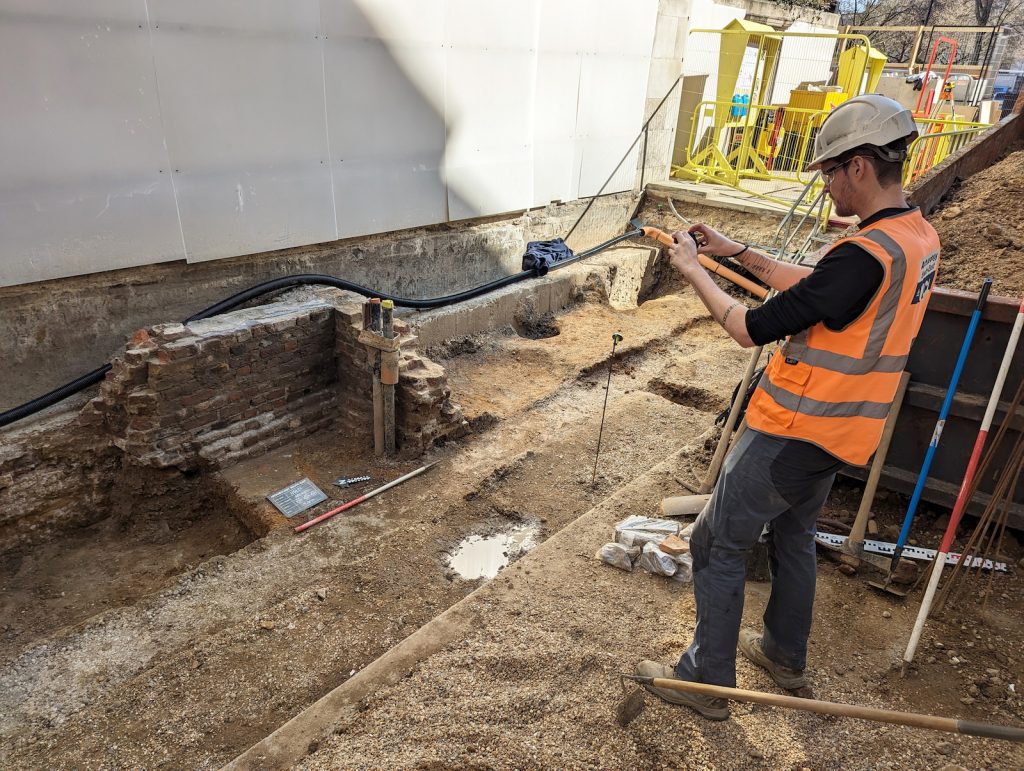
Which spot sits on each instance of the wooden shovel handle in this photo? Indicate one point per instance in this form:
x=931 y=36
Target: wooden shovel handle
x=952 y=725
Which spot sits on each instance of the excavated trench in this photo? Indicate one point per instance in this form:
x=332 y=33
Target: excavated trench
x=161 y=632
x=158 y=525
x=165 y=633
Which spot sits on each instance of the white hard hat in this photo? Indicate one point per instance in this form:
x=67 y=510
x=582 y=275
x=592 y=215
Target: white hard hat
x=871 y=119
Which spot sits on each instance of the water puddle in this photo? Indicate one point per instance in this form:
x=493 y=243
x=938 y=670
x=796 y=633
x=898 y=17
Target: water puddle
x=484 y=556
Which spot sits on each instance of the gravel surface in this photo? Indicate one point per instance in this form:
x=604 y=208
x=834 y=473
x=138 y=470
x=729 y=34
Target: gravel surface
x=535 y=686
x=216 y=657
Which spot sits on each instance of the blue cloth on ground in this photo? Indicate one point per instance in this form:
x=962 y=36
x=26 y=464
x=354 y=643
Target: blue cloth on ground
x=541 y=255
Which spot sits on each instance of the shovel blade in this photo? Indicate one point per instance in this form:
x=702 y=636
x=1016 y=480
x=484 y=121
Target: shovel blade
x=891 y=588
x=629 y=708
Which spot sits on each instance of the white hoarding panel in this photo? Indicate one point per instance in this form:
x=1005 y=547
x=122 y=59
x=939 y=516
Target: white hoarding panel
x=554 y=130
x=384 y=85
x=559 y=44
x=84 y=183
x=613 y=92
x=489 y=106
x=241 y=87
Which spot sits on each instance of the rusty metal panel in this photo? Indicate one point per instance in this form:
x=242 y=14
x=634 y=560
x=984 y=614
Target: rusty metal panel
x=931 y=365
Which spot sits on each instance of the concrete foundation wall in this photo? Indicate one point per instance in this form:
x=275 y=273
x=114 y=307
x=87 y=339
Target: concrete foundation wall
x=58 y=330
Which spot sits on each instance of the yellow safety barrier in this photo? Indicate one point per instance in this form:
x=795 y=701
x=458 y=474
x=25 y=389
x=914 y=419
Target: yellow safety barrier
x=761 y=146
x=771 y=142
x=938 y=140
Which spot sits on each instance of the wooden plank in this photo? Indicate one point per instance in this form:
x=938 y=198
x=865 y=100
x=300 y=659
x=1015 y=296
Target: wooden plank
x=962 y=303
x=964 y=405
x=937 y=491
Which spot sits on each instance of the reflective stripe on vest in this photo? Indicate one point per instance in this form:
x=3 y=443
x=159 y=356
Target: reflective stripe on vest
x=819 y=409
x=873 y=360
x=835 y=388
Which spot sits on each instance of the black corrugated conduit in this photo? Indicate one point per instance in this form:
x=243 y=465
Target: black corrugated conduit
x=40 y=403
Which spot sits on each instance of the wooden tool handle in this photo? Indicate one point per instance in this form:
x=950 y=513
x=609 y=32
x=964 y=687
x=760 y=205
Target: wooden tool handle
x=683 y=505
x=970 y=727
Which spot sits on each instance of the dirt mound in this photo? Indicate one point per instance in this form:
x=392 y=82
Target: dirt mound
x=978 y=224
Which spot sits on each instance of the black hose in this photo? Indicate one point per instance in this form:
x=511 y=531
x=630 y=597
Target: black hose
x=40 y=403
x=56 y=395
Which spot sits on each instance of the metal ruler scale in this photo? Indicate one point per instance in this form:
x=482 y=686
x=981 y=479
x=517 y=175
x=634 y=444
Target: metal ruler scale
x=914 y=552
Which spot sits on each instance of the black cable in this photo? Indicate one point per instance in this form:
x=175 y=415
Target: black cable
x=40 y=403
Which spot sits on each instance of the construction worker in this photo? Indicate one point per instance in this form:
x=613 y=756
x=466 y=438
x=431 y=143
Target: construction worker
x=848 y=324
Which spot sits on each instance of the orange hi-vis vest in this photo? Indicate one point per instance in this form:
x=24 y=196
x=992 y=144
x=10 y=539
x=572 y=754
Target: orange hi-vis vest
x=834 y=389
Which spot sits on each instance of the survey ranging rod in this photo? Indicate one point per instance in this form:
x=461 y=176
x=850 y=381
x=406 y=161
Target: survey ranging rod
x=965 y=489
x=922 y=477
x=356 y=501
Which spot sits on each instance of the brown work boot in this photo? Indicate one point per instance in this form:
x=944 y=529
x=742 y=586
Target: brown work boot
x=708 y=706
x=793 y=680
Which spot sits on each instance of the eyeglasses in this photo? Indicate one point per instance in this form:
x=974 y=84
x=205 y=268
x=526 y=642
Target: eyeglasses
x=830 y=175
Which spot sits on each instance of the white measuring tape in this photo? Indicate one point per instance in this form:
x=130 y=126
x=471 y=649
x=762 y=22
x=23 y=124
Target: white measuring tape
x=914 y=552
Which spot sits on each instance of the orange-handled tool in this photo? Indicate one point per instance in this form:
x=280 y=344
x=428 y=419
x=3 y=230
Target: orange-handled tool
x=715 y=267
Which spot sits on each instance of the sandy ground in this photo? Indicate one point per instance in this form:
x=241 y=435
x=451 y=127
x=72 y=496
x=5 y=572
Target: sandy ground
x=246 y=640
x=188 y=669
x=979 y=226
x=535 y=685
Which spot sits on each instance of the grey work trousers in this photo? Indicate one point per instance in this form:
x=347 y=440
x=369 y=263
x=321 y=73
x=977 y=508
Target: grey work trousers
x=766 y=480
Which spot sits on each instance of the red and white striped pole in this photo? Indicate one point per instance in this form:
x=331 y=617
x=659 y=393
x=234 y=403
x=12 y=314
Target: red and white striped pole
x=962 y=496
x=362 y=498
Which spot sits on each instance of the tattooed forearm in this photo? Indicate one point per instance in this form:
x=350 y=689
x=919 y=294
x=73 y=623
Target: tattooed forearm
x=758 y=264
x=725 y=316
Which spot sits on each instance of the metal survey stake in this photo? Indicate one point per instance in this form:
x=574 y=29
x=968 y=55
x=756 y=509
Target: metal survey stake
x=616 y=339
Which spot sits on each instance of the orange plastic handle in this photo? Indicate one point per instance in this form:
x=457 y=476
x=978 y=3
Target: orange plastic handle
x=715 y=267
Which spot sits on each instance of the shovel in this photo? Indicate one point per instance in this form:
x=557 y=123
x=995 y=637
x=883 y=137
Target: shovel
x=632 y=705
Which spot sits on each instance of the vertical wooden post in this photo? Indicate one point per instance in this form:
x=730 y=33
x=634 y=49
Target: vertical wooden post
x=389 y=377
x=855 y=543
x=913 y=54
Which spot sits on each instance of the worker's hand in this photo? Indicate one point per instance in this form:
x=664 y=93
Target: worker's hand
x=713 y=242
x=683 y=254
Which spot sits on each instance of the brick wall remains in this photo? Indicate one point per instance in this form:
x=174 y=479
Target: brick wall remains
x=210 y=393
x=221 y=389
x=424 y=410
x=53 y=472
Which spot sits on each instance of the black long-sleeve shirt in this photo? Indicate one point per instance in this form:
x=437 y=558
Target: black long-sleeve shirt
x=838 y=290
